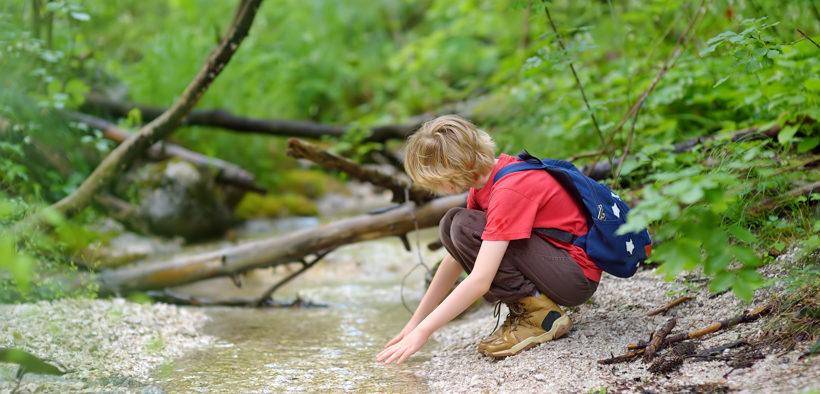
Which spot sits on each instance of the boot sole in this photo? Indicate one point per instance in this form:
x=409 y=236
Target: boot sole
x=563 y=324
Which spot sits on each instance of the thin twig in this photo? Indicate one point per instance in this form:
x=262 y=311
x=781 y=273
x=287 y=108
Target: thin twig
x=626 y=148
x=669 y=306
x=580 y=86
x=583 y=155
x=305 y=266
x=807 y=37
x=640 y=347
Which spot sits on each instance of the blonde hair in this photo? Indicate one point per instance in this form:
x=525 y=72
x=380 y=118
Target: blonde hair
x=448 y=150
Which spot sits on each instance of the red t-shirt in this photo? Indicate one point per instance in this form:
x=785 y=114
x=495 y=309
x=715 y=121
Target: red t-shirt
x=524 y=200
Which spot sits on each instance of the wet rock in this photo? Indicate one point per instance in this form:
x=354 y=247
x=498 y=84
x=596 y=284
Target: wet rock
x=176 y=198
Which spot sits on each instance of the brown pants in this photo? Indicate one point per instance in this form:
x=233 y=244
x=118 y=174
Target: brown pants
x=528 y=265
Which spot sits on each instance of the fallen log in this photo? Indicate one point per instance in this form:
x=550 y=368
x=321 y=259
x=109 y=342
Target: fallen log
x=602 y=169
x=657 y=340
x=640 y=347
x=229 y=173
x=271 y=252
x=302 y=149
x=773 y=203
x=226 y=120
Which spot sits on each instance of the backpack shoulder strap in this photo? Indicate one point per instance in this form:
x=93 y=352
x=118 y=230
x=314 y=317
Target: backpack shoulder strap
x=531 y=162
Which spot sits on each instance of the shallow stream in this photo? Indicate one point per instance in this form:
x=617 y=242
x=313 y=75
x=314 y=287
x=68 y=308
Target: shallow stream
x=311 y=349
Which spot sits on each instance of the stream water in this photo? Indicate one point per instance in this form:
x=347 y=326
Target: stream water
x=332 y=348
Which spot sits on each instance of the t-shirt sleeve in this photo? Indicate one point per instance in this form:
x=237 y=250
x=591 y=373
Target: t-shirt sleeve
x=471 y=203
x=510 y=216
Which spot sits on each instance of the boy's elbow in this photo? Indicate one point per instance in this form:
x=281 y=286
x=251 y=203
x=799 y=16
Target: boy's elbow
x=481 y=285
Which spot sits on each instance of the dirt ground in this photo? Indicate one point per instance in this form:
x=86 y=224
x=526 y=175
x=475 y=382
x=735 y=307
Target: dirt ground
x=615 y=317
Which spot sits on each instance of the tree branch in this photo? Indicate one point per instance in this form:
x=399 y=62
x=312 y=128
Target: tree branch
x=223 y=119
x=301 y=149
x=165 y=124
x=229 y=173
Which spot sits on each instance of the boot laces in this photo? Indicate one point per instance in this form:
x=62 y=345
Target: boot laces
x=516 y=312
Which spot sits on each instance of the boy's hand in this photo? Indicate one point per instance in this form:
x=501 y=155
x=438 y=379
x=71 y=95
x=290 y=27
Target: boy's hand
x=403 y=333
x=405 y=346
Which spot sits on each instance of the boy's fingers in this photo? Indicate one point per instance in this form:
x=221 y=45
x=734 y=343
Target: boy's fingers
x=392 y=341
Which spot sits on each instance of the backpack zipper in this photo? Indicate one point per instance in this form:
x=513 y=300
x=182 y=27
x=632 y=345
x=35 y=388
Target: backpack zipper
x=601 y=214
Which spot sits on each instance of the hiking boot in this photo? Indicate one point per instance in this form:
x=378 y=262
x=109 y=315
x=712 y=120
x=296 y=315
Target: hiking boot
x=515 y=310
x=540 y=320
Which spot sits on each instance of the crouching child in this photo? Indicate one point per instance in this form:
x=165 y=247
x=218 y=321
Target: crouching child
x=494 y=242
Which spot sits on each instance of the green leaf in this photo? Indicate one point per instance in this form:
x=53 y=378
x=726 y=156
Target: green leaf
x=721 y=81
x=716 y=262
x=80 y=16
x=812 y=84
x=746 y=255
x=740 y=54
x=743 y=289
x=53 y=216
x=677 y=255
x=708 y=49
x=786 y=134
x=753 y=66
x=722 y=281
x=742 y=234
x=18 y=264
x=807 y=144
x=693 y=195
x=751 y=276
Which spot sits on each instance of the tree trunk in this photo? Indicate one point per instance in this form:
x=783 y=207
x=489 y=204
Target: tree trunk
x=165 y=124
x=274 y=251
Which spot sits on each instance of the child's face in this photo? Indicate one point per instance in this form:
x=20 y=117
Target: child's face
x=446 y=189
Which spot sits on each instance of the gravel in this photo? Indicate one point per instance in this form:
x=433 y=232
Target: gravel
x=615 y=317
x=103 y=344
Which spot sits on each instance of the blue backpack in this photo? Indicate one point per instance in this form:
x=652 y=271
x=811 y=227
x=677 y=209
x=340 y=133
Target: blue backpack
x=618 y=255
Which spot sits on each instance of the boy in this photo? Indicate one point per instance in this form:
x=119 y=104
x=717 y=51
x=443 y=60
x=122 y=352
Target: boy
x=493 y=241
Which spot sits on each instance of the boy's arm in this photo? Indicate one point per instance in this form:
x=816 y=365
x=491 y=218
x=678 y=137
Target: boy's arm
x=446 y=274
x=476 y=284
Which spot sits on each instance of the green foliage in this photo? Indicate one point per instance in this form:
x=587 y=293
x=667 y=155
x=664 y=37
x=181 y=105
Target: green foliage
x=34 y=264
x=703 y=216
x=360 y=64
